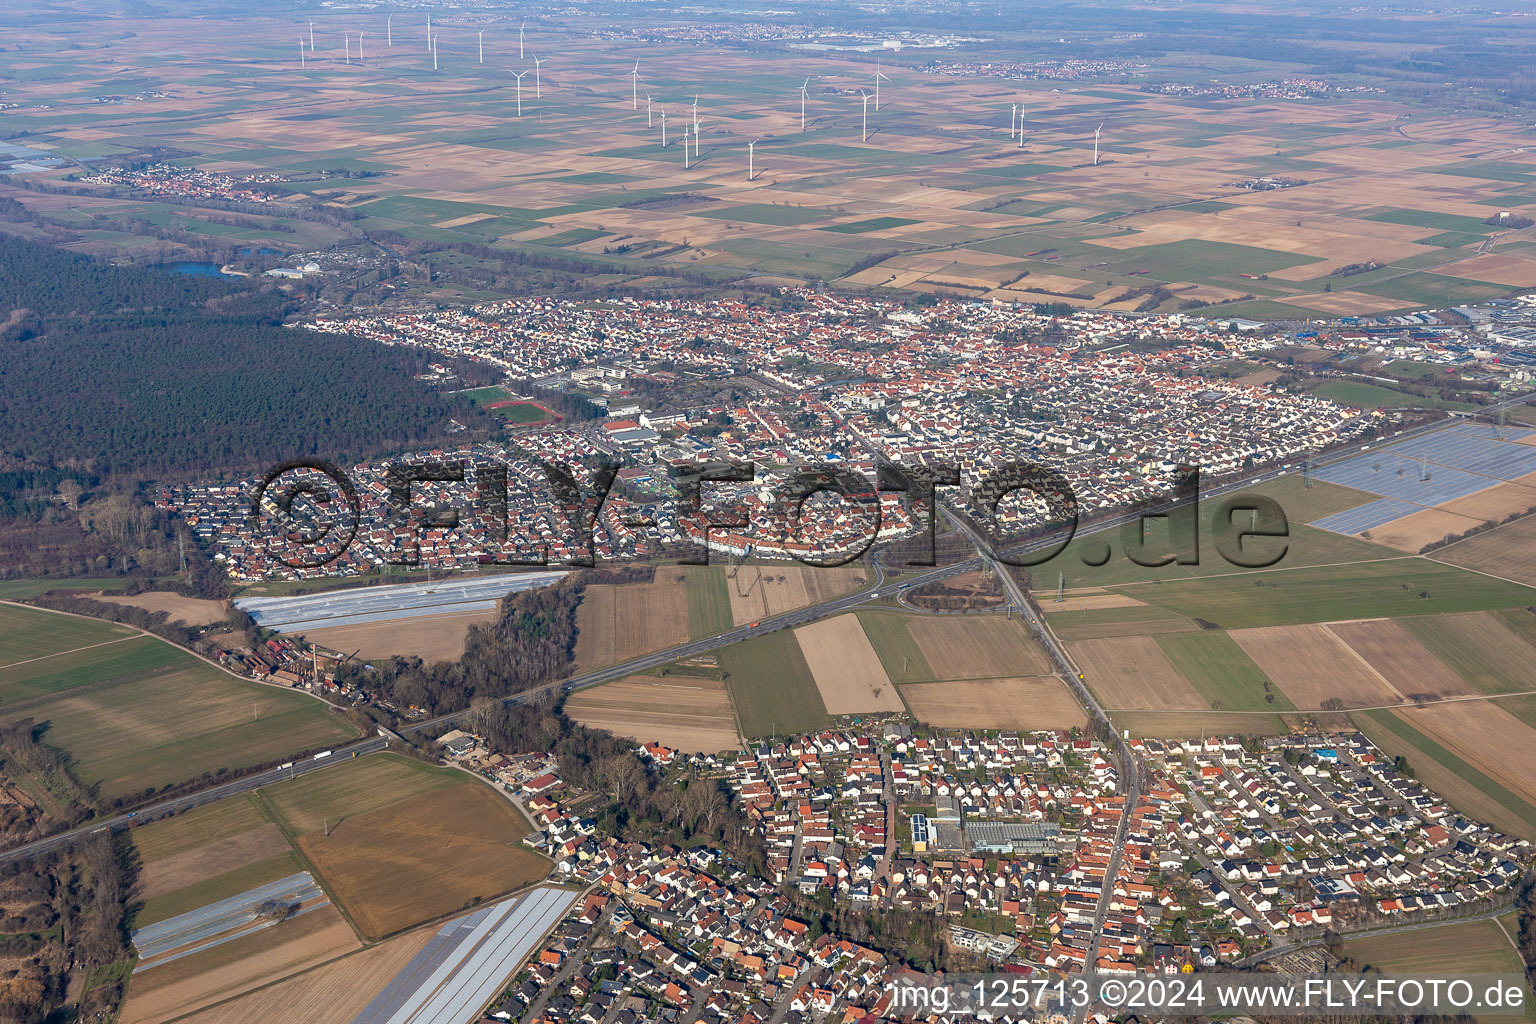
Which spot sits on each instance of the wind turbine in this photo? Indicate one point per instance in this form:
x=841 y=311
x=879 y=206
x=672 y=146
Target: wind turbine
x=482 y=46
x=1096 y=131
x=695 y=114
x=751 y=154
x=634 y=87
x=1013 y=121
x=865 y=137
x=538 y=88
x=803 y=87
x=519 y=76
x=520 y=39
x=302 y=64
x=649 y=123
x=359 y=47
x=877 y=76
x=346 y=41
x=695 y=139
x=429 y=31
x=685 y=145
x=311 y=35
x=663 y=127
x=389 y=30
x=434 y=53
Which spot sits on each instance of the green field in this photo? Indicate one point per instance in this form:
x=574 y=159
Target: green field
x=1459 y=948
x=858 y=227
x=138 y=712
x=1384 y=589
x=771 y=686
x=1304 y=545
x=372 y=783
x=1369 y=396
x=1221 y=671
x=903 y=659
x=709 y=602
x=1479 y=648
x=523 y=412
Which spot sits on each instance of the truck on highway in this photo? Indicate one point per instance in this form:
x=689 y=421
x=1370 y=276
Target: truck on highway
x=285 y=766
x=323 y=753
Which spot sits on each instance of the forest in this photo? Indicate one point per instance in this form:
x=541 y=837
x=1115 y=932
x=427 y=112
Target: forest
x=528 y=644
x=138 y=371
x=116 y=376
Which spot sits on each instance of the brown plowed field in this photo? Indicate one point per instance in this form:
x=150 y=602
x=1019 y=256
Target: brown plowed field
x=1508 y=552
x=425 y=857
x=1025 y=703
x=1485 y=736
x=1395 y=653
x=622 y=621
x=194 y=611
x=428 y=637
x=182 y=986
x=975 y=647
x=848 y=672
x=682 y=712
x=192 y=866
x=1411 y=532
x=332 y=994
x=1313 y=665
x=1133 y=672
x=759 y=591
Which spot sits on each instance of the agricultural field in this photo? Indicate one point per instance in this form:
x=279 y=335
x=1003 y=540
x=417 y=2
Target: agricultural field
x=1019 y=702
x=848 y=672
x=333 y=993
x=238 y=966
x=1457 y=948
x=192 y=611
x=1222 y=673
x=1185 y=724
x=574 y=173
x=431 y=638
x=1401 y=660
x=1303 y=545
x=679 y=711
x=1377 y=589
x=133 y=711
x=208 y=854
x=771 y=687
x=1312 y=665
x=398 y=843
x=1133 y=673
x=977 y=647
x=1482 y=648
x=621 y=621
x=1446 y=769
x=1508 y=552
x=758 y=592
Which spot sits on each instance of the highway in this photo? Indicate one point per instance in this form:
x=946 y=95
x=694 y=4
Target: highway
x=191 y=800
x=880 y=588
